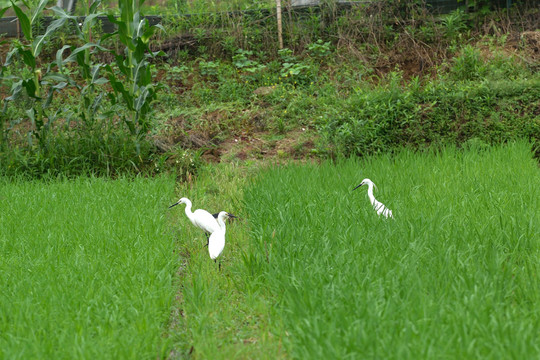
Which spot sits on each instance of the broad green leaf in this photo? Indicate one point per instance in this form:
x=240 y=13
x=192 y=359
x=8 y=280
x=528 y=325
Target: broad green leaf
x=89 y=20
x=141 y=26
x=24 y=21
x=100 y=81
x=140 y=50
x=10 y=55
x=30 y=86
x=85 y=68
x=52 y=90
x=36 y=12
x=28 y=58
x=130 y=126
x=106 y=36
x=96 y=103
x=137 y=71
x=123 y=69
x=16 y=89
x=123 y=32
x=59 y=57
x=95 y=76
x=31 y=114
x=55 y=77
x=74 y=53
x=141 y=99
x=158 y=53
x=159 y=26
x=94 y=6
x=40 y=40
x=118 y=87
x=150 y=31
x=95 y=72
x=2 y=11
x=63 y=15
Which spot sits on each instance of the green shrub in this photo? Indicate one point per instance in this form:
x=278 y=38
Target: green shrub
x=385 y=118
x=469 y=65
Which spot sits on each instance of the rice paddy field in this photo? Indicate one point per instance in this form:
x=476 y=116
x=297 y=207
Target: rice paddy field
x=96 y=268
x=454 y=276
x=87 y=269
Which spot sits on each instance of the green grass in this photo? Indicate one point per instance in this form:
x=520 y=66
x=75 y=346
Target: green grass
x=87 y=269
x=455 y=275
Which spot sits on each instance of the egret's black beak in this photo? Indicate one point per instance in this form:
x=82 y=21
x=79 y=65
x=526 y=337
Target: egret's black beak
x=232 y=216
x=173 y=205
x=358 y=186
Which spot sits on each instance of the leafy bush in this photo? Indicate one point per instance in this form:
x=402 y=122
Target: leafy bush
x=468 y=65
x=385 y=118
x=242 y=61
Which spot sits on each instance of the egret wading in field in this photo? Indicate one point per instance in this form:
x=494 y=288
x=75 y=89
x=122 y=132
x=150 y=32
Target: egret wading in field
x=200 y=218
x=379 y=207
x=216 y=242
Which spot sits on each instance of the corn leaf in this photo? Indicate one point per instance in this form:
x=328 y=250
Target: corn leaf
x=24 y=21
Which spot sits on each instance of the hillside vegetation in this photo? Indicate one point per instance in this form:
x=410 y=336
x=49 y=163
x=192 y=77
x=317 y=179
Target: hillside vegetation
x=355 y=81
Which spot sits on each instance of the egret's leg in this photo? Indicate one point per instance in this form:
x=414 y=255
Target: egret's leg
x=207 y=238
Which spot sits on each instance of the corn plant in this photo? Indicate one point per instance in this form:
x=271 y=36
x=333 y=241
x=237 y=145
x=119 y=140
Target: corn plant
x=132 y=80
x=37 y=83
x=90 y=90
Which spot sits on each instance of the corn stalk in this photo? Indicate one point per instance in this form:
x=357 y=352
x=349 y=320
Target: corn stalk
x=132 y=81
x=41 y=84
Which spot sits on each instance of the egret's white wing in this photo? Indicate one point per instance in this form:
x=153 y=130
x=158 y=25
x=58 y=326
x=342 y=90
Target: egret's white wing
x=382 y=209
x=216 y=243
x=204 y=220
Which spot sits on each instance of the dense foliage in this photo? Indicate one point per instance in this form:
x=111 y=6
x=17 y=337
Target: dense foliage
x=358 y=81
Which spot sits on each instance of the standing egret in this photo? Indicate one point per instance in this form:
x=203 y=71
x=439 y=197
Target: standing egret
x=200 y=218
x=377 y=205
x=216 y=242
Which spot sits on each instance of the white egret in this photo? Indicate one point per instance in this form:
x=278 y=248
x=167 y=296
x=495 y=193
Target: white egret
x=216 y=242
x=200 y=218
x=379 y=207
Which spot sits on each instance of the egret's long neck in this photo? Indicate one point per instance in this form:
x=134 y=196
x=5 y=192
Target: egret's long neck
x=188 y=211
x=370 y=193
x=221 y=223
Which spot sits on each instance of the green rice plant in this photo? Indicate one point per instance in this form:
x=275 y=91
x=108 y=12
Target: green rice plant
x=87 y=269
x=453 y=276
